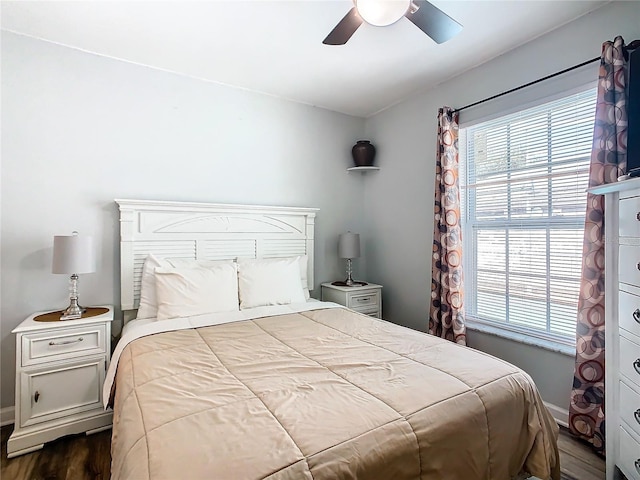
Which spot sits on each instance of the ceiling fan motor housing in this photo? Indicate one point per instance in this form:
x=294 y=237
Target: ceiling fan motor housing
x=382 y=12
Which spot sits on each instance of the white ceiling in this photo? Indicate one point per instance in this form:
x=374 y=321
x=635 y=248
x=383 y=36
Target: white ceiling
x=275 y=47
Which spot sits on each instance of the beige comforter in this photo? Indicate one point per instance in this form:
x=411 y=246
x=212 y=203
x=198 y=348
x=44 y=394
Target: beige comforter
x=323 y=394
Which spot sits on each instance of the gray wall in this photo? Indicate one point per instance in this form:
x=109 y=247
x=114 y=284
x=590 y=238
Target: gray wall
x=399 y=198
x=79 y=130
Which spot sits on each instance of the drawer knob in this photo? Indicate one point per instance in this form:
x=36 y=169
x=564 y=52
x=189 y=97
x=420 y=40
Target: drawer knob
x=637 y=464
x=36 y=397
x=638 y=216
x=66 y=342
x=636 y=365
x=636 y=315
x=638 y=265
x=637 y=415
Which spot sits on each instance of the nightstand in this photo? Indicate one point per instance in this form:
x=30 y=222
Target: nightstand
x=60 y=369
x=365 y=299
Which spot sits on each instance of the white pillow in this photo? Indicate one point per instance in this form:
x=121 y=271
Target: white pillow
x=303 y=261
x=148 y=305
x=184 y=292
x=269 y=282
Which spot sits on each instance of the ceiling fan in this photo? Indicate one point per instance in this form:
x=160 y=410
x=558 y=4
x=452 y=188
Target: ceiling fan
x=428 y=18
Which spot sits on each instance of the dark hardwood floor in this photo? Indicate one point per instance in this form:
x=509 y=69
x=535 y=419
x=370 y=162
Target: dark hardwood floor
x=82 y=457
x=75 y=457
x=578 y=460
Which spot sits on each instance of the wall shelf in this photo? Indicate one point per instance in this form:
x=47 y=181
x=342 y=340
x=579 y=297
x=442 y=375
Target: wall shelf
x=362 y=169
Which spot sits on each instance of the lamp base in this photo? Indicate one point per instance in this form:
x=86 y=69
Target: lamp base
x=340 y=283
x=349 y=282
x=73 y=311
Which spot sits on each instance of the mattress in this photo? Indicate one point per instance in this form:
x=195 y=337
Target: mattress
x=321 y=393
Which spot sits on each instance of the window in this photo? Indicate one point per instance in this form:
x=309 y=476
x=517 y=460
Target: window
x=523 y=181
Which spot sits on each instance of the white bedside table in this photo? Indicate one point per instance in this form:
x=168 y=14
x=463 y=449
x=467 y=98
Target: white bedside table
x=365 y=299
x=60 y=369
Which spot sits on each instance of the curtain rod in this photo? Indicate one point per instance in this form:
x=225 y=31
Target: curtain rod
x=632 y=46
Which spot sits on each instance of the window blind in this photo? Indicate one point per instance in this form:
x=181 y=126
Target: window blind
x=523 y=181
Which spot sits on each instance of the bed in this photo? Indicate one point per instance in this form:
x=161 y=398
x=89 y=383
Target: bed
x=294 y=388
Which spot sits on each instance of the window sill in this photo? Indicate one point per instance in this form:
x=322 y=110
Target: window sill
x=550 y=345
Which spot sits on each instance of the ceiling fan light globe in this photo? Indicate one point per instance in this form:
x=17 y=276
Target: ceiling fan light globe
x=382 y=12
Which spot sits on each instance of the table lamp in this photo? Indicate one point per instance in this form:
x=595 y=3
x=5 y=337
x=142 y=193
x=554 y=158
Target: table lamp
x=349 y=248
x=73 y=254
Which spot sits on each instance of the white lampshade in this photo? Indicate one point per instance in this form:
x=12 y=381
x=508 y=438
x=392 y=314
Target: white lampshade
x=73 y=254
x=349 y=245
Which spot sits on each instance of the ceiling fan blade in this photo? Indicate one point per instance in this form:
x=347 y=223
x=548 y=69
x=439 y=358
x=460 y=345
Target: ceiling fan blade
x=433 y=21
x=342 y=32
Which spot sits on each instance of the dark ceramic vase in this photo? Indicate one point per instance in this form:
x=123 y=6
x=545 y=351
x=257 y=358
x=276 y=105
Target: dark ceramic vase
x=363 y=153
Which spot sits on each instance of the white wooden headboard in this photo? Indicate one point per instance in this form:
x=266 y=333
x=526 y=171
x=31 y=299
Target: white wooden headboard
x=207 y=231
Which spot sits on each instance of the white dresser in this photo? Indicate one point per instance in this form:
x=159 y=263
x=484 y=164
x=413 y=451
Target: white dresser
x=622 y=311
x=60 y=369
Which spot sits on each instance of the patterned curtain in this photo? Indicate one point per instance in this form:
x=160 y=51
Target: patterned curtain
x=447 y=293
x=608 y=161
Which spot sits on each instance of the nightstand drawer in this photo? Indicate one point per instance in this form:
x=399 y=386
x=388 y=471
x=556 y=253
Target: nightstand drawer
x=53 y=393
x=364 y=299
x=63 y=344
x=371 y=311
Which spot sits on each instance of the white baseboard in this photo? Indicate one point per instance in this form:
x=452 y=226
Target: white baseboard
x=7 y=415
x=561 y=415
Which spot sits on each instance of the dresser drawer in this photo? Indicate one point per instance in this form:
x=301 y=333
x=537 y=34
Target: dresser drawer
x=629 y=312
x=630 y=407
x=629 y=458
x=629 y=260
x=361 y=300
x=52 y=393
x=63 y=344
x=630 y=360
x=629 y=221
